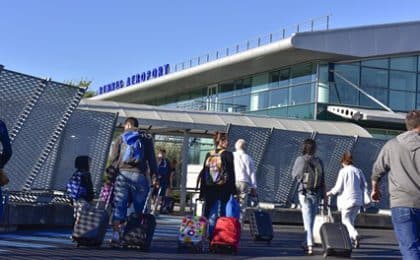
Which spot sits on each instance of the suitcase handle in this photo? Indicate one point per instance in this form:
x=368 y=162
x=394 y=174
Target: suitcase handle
x=328 y=209
x=149 y=196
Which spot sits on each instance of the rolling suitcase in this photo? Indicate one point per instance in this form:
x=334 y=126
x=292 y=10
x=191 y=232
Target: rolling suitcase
x=91 y=227
x=192 y=233
x=335 y=240
x=260 y=225
x=226 y=236
x=321 y=219
x=168 y=204
x=140 y=228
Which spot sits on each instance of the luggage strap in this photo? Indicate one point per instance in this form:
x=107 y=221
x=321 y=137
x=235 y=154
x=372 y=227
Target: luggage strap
x=108 y=199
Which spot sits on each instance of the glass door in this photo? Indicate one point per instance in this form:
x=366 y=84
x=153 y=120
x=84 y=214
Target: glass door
x=212 y=98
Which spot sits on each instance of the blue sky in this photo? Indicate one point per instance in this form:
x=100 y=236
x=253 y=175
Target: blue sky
x=104 y=40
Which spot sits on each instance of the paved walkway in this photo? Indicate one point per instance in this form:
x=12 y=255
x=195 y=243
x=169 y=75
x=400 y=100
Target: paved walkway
x=55 y=244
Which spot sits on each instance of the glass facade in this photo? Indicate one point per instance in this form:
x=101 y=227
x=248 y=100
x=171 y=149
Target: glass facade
x=394 y=81
x=295 y=91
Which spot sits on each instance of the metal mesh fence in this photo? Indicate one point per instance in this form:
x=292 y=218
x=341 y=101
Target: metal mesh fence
x=365 y=152
x=330 y=149
x=87 y=133
x=255 y=137
x=37 y=111
x=275 y=182
x=17 y=92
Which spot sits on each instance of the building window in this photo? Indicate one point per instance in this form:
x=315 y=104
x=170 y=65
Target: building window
x=259 y=82
x=226 y=89
x=281 y=112
x=418 y=100
x=402 y=81
x=259 y=101
x=378 y=93
x=303 y=73
x=380 y=63
x=404 y=63
x=279 y=97
x=301 y=94
x=303 y=112
x=374 y=78
x=242 y=102
x=402 y=101
x=243 y=86
x=343 y=92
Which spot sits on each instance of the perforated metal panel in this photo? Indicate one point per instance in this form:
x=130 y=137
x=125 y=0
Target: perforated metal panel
x=365 y=152
x=330 y=149
x=87 y=133
x=18 y=93
x=255 y=137
x=38 y=111
x=275 y=182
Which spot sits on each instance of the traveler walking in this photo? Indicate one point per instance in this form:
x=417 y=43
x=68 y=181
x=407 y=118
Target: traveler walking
x=350 y=187
x=309 y=172
x=132 y=154
x=4 y=158
x=217 y=179
x=80 y=187
x=245 y=176
x=161 y=180
x=400 y=158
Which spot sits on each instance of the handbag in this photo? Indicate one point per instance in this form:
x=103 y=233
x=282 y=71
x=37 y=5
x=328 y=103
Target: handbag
x=4 y=180
x=366 y=198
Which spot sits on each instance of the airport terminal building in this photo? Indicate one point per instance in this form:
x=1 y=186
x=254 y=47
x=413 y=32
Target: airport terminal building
x=369 y=75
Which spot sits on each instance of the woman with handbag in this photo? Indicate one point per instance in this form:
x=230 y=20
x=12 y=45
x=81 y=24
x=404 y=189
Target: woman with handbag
x=350 y=187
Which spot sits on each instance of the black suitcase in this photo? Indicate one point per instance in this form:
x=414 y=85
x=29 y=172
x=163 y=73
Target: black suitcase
x=139 y=230
x=336 y=240
x=168 y=204
x=260 y=225
x=91 y=228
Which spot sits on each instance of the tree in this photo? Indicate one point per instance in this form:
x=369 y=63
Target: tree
x=84 y=84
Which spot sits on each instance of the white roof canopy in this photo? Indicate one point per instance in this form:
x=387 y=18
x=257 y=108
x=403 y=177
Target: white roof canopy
x=174 y=121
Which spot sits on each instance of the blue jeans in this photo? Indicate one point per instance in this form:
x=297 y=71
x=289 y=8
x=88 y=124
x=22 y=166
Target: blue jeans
x=309 y=204
x=406 y=223
x=129 y=187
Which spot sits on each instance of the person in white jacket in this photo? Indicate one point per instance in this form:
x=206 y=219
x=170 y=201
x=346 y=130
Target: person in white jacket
x=245 y=176
x=350 y=187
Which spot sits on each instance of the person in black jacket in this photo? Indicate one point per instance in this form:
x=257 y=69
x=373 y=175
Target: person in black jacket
x=217 y=184
x=5 y=155
x=82 y=165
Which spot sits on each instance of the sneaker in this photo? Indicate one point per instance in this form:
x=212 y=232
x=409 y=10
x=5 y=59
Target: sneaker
x=357 y=242
x=309 y=250
x=115 y=239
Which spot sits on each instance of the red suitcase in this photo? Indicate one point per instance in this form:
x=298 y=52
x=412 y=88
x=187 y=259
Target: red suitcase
x=226 y=236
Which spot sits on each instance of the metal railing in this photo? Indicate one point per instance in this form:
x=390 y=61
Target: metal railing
x=316 y=24
x=212 y=106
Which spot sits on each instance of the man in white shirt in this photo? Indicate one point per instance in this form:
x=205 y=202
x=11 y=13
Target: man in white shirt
x=245 y=176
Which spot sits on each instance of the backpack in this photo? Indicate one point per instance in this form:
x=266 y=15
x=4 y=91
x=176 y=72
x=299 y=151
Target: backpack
x=132 y=148
x=215 y=175
x=312 y=176
x=75 y=188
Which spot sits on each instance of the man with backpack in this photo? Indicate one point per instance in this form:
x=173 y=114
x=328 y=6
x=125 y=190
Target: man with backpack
x=132 y=154
x=4 y=158
x=309 y=172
